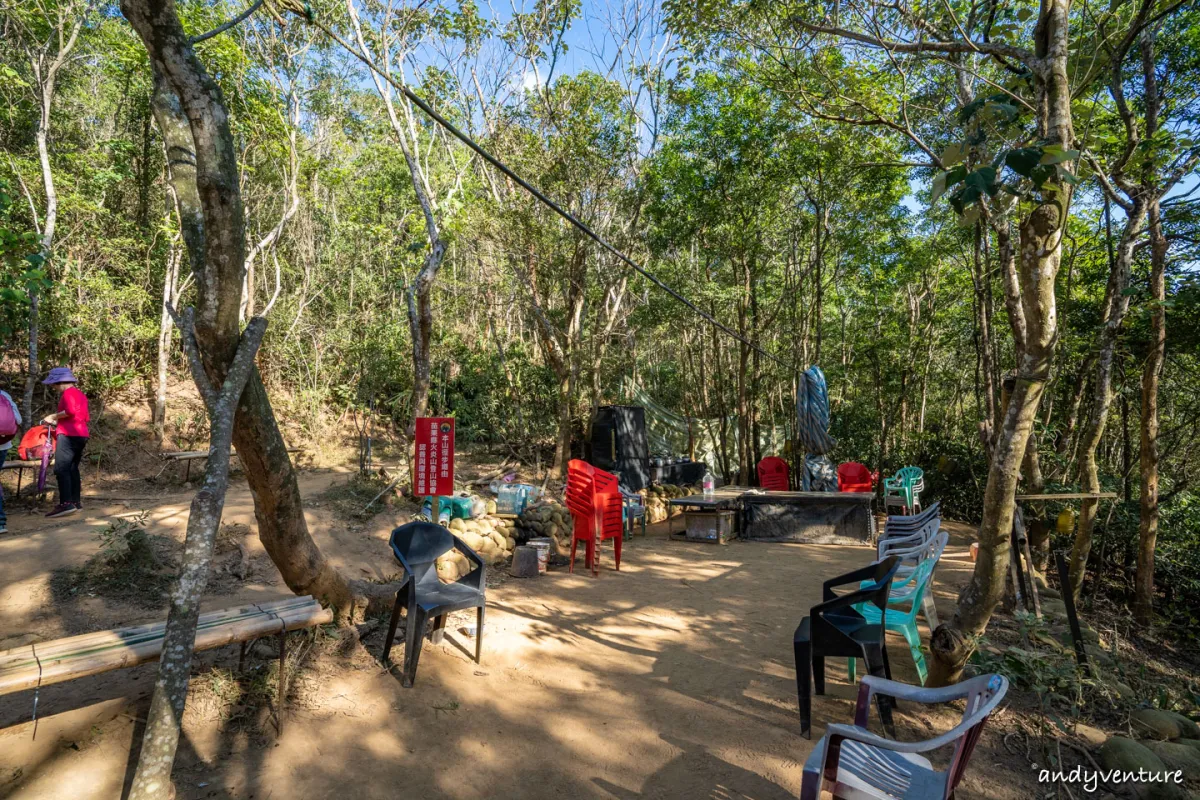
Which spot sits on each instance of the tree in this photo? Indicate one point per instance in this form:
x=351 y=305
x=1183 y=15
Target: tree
x=47 y=34
x=195 y=125
x=1010 y=172
x=152 y=780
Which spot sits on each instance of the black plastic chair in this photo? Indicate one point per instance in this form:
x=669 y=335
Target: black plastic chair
x=417 y=547
x=834 y=628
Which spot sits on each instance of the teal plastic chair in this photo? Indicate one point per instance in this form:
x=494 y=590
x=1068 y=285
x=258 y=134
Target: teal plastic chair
x=905 y=601
x=904 y=488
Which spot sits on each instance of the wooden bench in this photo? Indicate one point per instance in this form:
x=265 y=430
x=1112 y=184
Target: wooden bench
x=188 y=456
x=33 y=666
x=20 y=467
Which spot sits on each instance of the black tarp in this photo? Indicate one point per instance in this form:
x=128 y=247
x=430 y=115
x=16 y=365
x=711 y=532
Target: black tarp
x=810 y=517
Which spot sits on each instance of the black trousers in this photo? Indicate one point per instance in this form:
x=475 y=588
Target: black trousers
x=67 y=455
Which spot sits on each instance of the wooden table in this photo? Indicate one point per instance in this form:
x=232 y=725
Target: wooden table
x=723 y=499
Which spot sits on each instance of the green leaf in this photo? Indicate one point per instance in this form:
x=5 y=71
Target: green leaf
x=1025 y=14
x=1055 y=154
x=954 y=154
x=1066 y=175
x=939 y=187
x=1022 y=160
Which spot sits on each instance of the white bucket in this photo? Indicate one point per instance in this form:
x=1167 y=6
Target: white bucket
x=543 y=551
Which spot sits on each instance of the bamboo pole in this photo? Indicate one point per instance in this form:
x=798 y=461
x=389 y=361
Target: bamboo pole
x=139 y=633
x=69 y=666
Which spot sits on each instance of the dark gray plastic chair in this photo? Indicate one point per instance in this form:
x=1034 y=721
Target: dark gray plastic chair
x=417 y=547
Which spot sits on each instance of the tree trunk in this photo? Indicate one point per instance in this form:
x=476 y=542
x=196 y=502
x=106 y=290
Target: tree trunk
x=197 y=131
x=1029 y=279
x=170 y=281
x=1115 y=307
x=152 y=780
x=1143 y=598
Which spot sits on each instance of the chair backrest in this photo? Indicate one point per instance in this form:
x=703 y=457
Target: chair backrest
x=908 y=541
x=417 y=546
x=904 y=524
x=855 y=477
x=594 y=497
x=984 y=693
x=773 y=474
x=910 y=474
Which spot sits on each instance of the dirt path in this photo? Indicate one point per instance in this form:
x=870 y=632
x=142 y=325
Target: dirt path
x=670 y=679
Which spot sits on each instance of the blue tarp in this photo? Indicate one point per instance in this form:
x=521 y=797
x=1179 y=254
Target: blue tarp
x=812 y=427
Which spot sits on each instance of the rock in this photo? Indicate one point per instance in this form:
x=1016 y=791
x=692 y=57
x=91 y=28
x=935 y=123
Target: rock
x=1123 y=690
x=1155 y=723
x=1046 y=593
x=1054 y=607
x=1099 y=656
x=1178 y=756
x=1094 y=737
x=1063 y=634
x=1130 y=756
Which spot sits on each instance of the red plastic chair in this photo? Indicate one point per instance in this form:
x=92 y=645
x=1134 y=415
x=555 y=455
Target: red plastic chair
x=595 y=502
x=855 y=477
x=773 y=474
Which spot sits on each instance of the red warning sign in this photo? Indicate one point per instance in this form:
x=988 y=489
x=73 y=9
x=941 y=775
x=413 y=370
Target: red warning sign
x=433 y=468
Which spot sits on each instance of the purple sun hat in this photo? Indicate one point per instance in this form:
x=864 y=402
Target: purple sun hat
x=60 y=375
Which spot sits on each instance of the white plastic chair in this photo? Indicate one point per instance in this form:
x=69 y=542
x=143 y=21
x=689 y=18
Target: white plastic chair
x=855 y=764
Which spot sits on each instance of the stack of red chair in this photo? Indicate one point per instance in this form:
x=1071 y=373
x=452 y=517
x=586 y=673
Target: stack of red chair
x=854 y=477
x=773 y=474
x=594 y=500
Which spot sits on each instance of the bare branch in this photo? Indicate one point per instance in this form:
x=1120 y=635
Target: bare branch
x=991 y=48
x=185 y=322
x=217 y=31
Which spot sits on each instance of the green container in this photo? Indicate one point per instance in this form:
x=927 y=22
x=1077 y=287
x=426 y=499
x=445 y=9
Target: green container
x=460 y=507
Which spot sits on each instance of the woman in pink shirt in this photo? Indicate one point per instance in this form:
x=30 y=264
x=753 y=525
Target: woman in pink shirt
x=72 y=420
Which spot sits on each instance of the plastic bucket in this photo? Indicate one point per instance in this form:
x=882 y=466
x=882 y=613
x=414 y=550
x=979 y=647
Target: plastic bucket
x=543 y=550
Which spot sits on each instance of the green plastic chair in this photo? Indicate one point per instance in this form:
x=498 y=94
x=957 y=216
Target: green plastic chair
x=906 y=486
x=904 y=604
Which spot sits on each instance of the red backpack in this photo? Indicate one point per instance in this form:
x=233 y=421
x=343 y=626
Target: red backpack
x=8 y=421
x=34 y=442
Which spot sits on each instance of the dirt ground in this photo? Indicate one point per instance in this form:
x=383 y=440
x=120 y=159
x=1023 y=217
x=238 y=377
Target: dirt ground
x=672 y=678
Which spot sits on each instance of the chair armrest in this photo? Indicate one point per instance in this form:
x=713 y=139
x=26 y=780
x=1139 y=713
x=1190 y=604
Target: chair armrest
x=871 y=685
x=861 y=574
x=843 y=601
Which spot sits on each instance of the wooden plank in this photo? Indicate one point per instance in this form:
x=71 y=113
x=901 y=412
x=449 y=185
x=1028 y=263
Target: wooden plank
x=69 y=668
x=77 y=666
x=141 y=633
x=21 y=464
x=1069 y=496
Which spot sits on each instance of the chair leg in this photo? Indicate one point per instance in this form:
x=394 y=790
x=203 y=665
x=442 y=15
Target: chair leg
x=391 y=634
x=876 y=658
x=617 y=554
x=479 y=635
x=574 y=544
x=851 y=670
x=913 y=638
x=439 y=629
x=593 y=556
x=818 y=672
x=415 y=638
x=803 y=653
x=929 y=609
